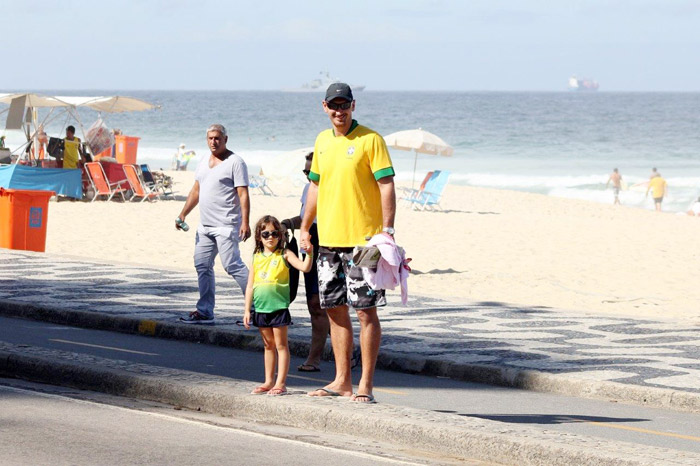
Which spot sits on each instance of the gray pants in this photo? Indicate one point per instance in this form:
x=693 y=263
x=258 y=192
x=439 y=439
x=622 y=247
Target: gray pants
x=208 y=242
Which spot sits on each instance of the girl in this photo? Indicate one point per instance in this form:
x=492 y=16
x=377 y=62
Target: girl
x=268 y=289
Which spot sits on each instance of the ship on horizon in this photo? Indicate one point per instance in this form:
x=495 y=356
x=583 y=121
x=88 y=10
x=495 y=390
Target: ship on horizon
x=584 y=84
x=321 y=84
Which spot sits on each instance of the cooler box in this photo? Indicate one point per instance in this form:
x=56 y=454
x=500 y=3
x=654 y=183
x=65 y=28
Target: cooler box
x=23 y=217
x=126 y=149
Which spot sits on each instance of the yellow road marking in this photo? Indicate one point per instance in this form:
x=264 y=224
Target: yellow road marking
x=326 y=382
x=103 y=347
x=636 y=429
x=147 y=327
x=645 y=431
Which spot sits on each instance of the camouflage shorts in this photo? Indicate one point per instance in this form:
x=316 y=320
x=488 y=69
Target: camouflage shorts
x=341 y=283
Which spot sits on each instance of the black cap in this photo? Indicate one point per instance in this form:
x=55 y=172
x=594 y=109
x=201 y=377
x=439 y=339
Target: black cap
x=339 y=90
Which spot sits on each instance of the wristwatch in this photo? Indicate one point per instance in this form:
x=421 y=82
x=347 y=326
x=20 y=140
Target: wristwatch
x=389 y=230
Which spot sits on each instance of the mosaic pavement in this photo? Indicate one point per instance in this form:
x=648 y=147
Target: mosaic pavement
x=639 y=352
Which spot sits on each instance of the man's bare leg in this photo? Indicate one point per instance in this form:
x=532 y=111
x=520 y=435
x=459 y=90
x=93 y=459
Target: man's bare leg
x=370 y=339
x=341 y=339
x=319 y=331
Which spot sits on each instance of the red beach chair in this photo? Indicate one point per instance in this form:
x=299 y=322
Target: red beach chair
x=138 y=187
x=100 y=185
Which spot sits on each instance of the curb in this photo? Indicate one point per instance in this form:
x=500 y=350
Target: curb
x=447 y=434
x=493 y=375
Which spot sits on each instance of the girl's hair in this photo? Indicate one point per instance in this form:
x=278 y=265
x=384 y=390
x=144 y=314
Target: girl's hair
x=260 y=226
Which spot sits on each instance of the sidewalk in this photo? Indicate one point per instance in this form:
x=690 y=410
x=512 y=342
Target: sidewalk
x=636 y=361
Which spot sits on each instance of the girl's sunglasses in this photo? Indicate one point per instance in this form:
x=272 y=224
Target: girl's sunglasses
x=266 y=234
x=343 y=106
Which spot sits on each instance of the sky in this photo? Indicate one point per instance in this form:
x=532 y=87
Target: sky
x=470 y=45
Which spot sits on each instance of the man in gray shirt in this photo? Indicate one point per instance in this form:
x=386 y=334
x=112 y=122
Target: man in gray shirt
x=221 y=190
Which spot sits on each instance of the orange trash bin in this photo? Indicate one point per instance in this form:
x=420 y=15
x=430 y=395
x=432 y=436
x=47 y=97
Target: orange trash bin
x=126 y=149
x=23 y=217
x=104 y=153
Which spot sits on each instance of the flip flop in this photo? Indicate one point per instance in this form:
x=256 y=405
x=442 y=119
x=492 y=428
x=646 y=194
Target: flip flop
x=260 y=390
x=308 y=368
x=369 y=398
x=277 y=392
x=327 y=391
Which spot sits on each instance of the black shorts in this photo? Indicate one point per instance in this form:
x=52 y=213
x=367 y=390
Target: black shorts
x=341 y=283
x=311 y=277
x=280 y=318
x=658 y=199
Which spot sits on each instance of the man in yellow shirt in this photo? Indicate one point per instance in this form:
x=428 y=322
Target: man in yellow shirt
x=657 y=186
x=71 y=148
x=352 y=195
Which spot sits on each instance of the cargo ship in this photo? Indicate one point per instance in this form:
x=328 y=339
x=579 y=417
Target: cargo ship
x=321 y=84
x=585 y=84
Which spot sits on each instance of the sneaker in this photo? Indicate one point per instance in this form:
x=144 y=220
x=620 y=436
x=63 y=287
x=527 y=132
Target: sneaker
x=196 y=318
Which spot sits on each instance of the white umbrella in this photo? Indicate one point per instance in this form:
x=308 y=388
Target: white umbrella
x=419 y=141
x=286 y=165
x=109 y=104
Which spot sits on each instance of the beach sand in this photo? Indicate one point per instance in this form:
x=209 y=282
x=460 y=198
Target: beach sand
x=510 y=247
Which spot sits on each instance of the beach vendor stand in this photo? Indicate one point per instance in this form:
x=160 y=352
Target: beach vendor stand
x=23 y=114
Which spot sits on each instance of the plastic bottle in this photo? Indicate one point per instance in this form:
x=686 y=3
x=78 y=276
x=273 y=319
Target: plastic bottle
x=181 y=224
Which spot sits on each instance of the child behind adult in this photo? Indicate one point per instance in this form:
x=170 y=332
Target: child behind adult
x=268 y=289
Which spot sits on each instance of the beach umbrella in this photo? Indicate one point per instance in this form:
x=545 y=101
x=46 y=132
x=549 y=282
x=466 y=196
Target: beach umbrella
x=420 y=142
x=287 y=164
x=109 y=104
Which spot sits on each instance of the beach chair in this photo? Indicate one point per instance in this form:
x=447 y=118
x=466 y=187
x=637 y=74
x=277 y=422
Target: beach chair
x=100 y=185
x=259 y=182
x=431 y=195
x=163 y=184
x=412 y=193
x=138 y=188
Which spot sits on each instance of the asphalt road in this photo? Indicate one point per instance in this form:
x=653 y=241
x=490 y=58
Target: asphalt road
x=41 y=424
x=614 y=421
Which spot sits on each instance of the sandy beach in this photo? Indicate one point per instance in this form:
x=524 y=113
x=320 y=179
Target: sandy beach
x=490 y=245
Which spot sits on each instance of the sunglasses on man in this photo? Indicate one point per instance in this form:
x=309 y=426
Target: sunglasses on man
x=343 y=106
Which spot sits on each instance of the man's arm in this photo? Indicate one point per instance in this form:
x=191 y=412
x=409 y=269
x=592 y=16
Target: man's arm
x=244 y=232
x=309 y=216
x=190 y=203
x=388 y=195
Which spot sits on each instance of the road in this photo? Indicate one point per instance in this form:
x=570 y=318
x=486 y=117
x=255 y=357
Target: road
x=41 y=424
x=613 y=421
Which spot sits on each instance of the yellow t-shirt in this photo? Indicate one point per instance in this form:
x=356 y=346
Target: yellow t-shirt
x=70 y=153
x=347 y=168
x=658 y=187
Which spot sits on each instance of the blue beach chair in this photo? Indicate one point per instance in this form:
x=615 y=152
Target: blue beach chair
x=259 y=182
x=431 y=195
x=165 y=184
x=412 y=193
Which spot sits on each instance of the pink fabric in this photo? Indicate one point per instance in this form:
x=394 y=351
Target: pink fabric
x=392 y=268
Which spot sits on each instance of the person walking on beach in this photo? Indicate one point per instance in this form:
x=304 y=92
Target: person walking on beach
x=221 y=190
x=268 y=289
x=658 y=188
x=319 y=319
x=616 y=180
x=352 y=193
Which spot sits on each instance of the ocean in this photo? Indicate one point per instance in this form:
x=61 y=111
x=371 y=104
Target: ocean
x=558 y=144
